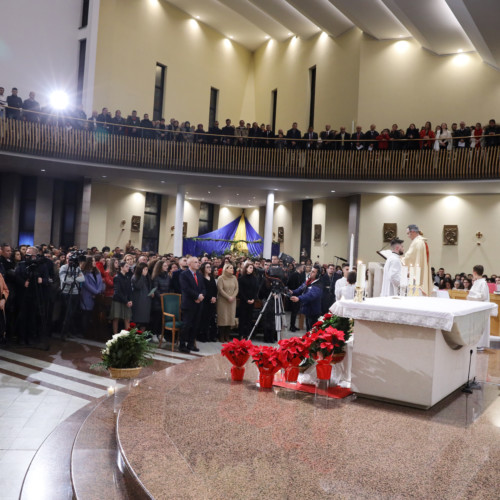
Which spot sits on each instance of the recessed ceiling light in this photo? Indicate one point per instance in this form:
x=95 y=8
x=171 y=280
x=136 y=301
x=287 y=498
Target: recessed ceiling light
x=104 y=176
x=42 y=170
x=332 y=191
x=208 y=192
x=197 y=17
x=237 y=194
x=267 y=37
x=460 y=50
x=219 y=186
x=163 y=182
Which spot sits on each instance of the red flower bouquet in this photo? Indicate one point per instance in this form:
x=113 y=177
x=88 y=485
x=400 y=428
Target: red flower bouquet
x=267 y=360
x=237 y=352
x=292 y=352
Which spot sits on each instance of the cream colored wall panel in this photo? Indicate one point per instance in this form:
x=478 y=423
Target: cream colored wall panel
x=98 y=216
x=192 y=217
x=336 y=233
x=135 y=35
x=288 y=215
x=471 y=213
x=400 y=82
x=227 y=215
x=285 y=66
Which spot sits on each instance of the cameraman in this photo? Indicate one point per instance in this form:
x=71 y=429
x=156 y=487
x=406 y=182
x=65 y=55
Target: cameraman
x=32 y=280
x=71 y=278
x=309 y=296
x=8 y=270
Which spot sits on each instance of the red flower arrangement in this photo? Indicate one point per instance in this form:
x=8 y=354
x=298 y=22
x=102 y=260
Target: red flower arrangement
x=267 y=360
x=237 y=352
x=292 y=352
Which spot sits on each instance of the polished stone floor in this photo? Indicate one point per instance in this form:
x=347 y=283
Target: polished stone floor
x=39 y=390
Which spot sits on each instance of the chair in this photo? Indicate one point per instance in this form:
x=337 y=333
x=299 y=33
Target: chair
x=171 y=315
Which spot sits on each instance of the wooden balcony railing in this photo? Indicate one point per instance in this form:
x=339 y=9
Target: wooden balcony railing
x=404 y=165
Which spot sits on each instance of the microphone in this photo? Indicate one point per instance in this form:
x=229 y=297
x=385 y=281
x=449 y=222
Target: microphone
x=467 y=388
x=340 y=258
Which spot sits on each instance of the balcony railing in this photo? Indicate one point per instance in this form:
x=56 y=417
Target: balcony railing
x=109 y=149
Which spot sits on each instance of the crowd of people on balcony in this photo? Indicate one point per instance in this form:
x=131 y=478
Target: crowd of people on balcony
x=48 y=291
x=426 y=137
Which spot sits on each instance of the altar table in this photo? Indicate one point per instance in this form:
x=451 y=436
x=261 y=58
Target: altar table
x=413 y=350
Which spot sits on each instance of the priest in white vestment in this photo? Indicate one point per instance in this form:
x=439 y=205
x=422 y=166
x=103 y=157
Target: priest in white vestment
x=418 y=255
x=480 y=292
x=392 y=270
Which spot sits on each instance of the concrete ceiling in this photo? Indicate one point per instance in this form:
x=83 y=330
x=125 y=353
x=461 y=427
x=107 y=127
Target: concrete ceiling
x=441 y=26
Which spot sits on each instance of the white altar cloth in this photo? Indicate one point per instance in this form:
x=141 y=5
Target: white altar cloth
x=412 y=350
x=429 y=312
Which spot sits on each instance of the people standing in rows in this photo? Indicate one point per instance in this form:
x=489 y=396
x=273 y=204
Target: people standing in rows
x=161 y=285
x=91 y=287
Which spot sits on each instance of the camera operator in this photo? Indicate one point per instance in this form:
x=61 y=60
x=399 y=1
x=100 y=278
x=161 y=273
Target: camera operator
x=308 y=295
x=71 y=278
x=32 y=279
x=297 y=277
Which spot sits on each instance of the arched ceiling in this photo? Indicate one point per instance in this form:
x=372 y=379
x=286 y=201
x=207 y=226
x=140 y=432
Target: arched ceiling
x=441 y=26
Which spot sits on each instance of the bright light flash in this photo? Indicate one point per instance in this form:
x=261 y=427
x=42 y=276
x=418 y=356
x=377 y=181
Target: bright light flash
x=59 y=100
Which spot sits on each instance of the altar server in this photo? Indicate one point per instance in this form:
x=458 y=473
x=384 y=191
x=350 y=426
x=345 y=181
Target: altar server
x=392 y=270
x=418 y=255
x=480 y=292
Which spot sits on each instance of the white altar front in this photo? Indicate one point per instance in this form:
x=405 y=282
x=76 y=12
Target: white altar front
x=413 y=350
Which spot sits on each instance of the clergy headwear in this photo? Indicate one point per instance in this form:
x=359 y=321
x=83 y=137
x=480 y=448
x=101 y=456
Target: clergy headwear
x=413 y=227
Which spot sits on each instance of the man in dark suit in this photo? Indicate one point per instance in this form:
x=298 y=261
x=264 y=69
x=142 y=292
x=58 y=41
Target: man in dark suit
x=371 y=136
x=193 y=292
x=343 y=140
x=311 y=139
x=328 y=279
x=357 y=139
x=293 y=135
x=15 y=104
x=327 y=137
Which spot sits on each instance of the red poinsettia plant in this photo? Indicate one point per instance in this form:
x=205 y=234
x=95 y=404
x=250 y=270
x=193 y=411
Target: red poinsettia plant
x=293 y=351
x=266 y=357
x=237 y=351
x=329 y=336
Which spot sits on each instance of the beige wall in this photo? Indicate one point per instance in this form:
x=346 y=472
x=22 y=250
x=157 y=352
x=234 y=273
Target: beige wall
x=400 y=82
x=430 y=213
x=135 y=35
x=285 y=66
x=288 y=215
x=110 y=205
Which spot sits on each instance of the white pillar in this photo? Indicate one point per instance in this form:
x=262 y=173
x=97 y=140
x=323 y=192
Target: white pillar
x=268 y=228
x=179 y=220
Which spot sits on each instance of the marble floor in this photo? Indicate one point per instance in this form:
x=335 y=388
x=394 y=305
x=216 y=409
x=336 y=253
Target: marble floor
x=39 y=390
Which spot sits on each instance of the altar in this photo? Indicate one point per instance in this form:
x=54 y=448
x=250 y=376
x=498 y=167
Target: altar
x=413 y=350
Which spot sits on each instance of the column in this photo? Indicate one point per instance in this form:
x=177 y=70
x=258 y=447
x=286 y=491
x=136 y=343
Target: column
x=353 y=225
x=179 y=220
x=268 y=227
x=10 y=204
x=43 y=217
x=83 y=216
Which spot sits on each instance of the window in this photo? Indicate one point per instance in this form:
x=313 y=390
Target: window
x=151 y=226
x=274 y=105
x=212 y=113
x=312 y=81
x=81 y=70
x=85 y=13
x=206 y=218
x=159 y=91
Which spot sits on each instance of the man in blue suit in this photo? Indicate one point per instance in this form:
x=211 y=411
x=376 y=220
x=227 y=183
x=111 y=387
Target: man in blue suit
x=193 y=292
x=309 y=296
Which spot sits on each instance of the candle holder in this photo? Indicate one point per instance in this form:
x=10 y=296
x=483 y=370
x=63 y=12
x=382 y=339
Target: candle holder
x=411 y=290
x=358 y=297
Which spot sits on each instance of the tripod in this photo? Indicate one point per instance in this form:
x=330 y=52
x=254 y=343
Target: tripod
x=279 y=313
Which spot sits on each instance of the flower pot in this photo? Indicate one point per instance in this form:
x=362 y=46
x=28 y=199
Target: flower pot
x=118 y=373
x=266 y=377
x=291 y=373
x=237 y=373
x=324 y=371
x=338 y=358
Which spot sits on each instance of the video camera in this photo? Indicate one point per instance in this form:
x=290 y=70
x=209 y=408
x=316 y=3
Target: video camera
x=74 y=259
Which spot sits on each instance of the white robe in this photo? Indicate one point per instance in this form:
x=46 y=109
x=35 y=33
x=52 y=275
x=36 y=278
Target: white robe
x=339 y=284
x=392 y=276
x=481 y=292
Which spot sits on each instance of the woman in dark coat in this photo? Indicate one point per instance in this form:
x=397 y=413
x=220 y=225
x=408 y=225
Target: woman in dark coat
x=161 y=284
x=121 y=306
x=248 y=291
x=208 y=326
x=141 y=295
